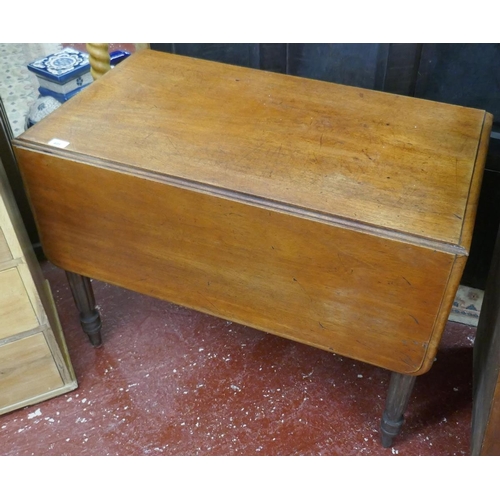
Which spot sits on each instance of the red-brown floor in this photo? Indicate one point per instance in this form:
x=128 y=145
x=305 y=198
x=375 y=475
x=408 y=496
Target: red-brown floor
x=170 y=381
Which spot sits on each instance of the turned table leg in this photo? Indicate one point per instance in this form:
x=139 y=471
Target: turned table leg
x=400 y=388
x=83 y=294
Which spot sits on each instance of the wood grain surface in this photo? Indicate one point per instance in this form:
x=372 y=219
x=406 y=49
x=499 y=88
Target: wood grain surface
x=17 y=314
x=28 y=370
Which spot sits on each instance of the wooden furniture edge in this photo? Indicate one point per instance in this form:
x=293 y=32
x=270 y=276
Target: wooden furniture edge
x=67 y=387
x=443 y=314
x=476 y=182
x=465 y=240
x=23 y=335
x=61 y=355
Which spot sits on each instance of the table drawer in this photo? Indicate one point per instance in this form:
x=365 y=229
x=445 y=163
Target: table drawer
x=5 y=254
x=17 y=314
x=27 y=370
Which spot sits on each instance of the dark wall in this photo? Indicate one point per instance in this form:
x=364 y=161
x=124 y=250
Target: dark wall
x=368 y=65
x=462 y=74
x=467 y=74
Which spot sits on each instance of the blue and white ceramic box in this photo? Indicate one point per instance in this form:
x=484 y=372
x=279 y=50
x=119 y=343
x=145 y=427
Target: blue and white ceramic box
x=63 y=74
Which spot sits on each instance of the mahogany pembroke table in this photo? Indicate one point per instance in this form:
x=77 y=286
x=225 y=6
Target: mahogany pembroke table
x=331 y=215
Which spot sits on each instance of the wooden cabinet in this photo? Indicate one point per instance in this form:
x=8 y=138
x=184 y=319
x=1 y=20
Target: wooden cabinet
x=34 y=362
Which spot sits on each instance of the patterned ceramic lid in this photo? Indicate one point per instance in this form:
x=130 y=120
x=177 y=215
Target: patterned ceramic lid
x=61 y=66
